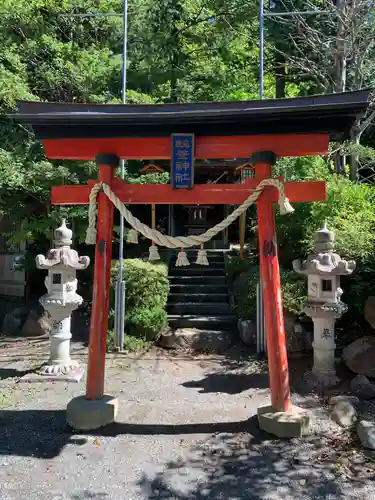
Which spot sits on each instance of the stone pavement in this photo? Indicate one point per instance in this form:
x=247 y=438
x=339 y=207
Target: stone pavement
x=186 y=430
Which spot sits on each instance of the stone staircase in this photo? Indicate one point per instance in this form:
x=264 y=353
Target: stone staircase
x=198 y=297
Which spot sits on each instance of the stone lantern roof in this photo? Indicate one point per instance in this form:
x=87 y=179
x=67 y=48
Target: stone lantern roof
x=324 y=260
x=62 y=254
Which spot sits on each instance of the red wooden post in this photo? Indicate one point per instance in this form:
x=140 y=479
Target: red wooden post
x=100 y=303
x=271 y=286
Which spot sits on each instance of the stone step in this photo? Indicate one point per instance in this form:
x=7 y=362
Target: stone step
x=198 y=280
x=199 y=308
x=210 y=322
x=196 y=271
x=201 y=288
x=198 y=297
x=198 y=339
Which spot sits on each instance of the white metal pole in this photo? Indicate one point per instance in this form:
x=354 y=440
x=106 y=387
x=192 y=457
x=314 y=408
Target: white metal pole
x=261 y=48
x=120 y=285
x=261 y=335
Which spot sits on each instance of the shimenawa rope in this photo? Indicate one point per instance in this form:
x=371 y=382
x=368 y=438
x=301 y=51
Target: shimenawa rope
x=179 y=241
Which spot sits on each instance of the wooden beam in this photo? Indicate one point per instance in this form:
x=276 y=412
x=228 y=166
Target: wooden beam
x=73 y=194
x=201 y=194
x=216 y=147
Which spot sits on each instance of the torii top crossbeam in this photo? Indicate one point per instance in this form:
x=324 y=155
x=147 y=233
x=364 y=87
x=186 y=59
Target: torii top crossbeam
x=287 y=127
x=258 y=130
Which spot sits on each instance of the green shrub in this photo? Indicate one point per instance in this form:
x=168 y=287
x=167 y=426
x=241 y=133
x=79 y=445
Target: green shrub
x=348 y=211
x=147 y=284
x=294 y=288
x=131 y=344
x=235 y=265
x=146 y=323
x=147 y=288
x=244 y=291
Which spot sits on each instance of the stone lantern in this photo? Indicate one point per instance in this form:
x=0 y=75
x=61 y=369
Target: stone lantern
x=60 y=301
x=323 y=269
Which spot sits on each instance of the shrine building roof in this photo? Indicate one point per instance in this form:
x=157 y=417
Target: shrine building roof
x=332 y=114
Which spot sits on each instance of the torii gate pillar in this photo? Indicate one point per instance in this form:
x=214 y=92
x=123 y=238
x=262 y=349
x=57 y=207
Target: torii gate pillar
x=280 y=418
x=97 y=409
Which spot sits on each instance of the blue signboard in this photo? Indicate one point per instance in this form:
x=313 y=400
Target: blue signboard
x=182 y=175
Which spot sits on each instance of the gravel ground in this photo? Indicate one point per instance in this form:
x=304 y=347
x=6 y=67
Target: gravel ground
x=186 y=430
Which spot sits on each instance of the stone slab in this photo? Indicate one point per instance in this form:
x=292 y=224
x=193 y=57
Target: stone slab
x=34 y=377
x=289 y=424
x=193 y=338
x=85 y=415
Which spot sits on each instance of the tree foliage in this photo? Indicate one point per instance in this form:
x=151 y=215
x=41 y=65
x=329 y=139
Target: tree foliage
x=186 y=50
x=178 y=50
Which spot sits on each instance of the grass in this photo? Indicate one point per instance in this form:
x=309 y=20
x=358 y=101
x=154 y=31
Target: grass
x=7 y=395
x=131 y=344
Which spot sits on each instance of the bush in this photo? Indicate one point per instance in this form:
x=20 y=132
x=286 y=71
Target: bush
x=348 y=211
x=147 y=288
x=131 y=344
x=235 y=265
x=146 y=323
x=147 y=284
x=244 y=291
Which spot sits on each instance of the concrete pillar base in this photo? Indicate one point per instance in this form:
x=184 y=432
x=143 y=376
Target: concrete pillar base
x=292 y=423
x=85 y=414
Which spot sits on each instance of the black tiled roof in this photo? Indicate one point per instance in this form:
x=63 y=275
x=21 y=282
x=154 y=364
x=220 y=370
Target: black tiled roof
x=334 y=114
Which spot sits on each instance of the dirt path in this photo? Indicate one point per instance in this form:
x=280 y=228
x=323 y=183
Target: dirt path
x=185 y=431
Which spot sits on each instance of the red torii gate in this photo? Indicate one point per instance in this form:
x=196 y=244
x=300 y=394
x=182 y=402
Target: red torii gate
x=260 y=131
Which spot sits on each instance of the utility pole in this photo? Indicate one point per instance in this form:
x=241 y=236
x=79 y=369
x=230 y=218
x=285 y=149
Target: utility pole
x=120 y=288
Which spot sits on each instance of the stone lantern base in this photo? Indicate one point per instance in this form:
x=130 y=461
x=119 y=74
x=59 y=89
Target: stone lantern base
x=73 y=376
x=51 y=368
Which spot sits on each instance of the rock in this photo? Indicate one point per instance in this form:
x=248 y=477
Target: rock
x=248 y=331
x=359 y=356
x=362 y=387
x=366 y=434
x=14 y=321
x=369 y=311
x=294 y=337
x=319 y=383
x=353 y=400
x=37 y=324
x=344 y=414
